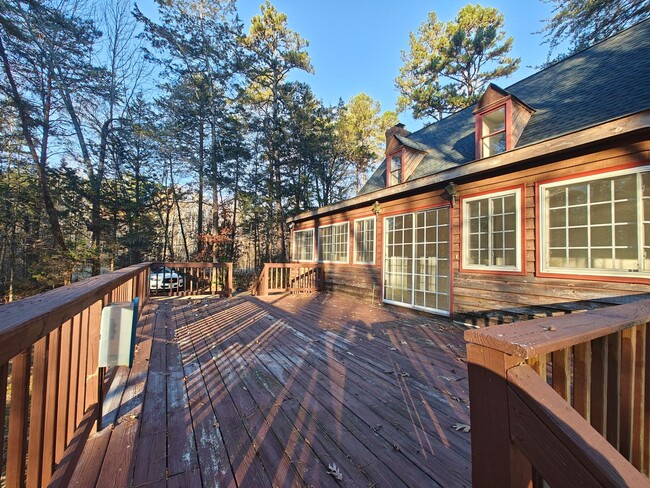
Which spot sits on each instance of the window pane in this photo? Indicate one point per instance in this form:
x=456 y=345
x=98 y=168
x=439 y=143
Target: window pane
x=601 y=191
x=578 y=194
x=494 y=144
x=494 y=121
x=556 y=197
x=601 y=236
x=557 y=217
x=600 y=214
x=578 y=215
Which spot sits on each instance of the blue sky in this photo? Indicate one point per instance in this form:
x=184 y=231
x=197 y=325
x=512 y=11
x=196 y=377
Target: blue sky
x=355 y=45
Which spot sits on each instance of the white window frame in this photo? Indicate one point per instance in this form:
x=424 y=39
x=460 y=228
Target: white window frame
x=313 y=251
x=544 y=253
x=517 y=268
x=347 y=243
x=374 y=240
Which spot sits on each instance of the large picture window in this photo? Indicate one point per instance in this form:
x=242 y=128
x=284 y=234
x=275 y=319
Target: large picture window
x=492 y=231
x=303 y=245
x=597 y=225
x=364 y=241
x=333 y=243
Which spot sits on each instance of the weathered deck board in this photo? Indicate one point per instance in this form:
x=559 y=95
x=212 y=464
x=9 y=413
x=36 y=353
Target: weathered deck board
x=270 y=392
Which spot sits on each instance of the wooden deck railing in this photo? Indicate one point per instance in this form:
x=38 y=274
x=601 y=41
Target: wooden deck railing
x=48 y=360
x=290 y=277
x=194 y=279
x=562 y=399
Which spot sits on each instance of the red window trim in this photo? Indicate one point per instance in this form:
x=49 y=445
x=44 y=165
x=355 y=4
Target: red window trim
x=522 y=223
x=538 y=228
x=389 y=156
x=478 y=132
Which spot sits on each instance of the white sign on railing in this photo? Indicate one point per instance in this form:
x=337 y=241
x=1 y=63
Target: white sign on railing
x=117 y=334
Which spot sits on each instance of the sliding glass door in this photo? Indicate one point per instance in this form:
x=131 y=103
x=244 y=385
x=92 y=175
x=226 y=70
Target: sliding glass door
x=416 y=260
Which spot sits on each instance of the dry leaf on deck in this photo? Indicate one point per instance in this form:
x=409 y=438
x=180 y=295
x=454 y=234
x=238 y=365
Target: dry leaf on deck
x=463 y=427
x=335 y=472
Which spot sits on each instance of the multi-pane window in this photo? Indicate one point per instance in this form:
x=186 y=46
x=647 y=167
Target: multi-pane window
x=416 y=260
x=395 y=169
x=493 y=132
x=491 y=231
x=333 y=243
x=597 y=225
x=364 y=241
x=303 y=245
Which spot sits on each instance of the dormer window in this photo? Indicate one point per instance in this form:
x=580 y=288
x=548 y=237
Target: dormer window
x=394 y=163
x=500 y=120
x=493 y=132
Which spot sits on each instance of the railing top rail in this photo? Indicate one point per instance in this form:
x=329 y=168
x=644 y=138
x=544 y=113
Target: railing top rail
x=294 y=265
x=25 y=321
x=540 y=336
x=193 y=265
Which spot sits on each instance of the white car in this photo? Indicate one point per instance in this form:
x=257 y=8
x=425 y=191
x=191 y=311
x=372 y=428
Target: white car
x=165 y=279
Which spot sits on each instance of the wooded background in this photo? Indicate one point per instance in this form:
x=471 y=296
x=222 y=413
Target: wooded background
x=125 y=139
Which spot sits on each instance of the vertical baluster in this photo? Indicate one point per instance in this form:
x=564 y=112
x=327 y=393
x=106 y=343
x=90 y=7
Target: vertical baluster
x=132 y=288
x=64 y=391
x=639 y=418
x=37 y=413
x=4 y=370
x=613 y=389
x=646 y=405
x=562 y=373
x=83 y=358
x=93 y=386
x=582 y=379
x=627 y=393
x=599 y=375
x=18 y=415
x=170 y=291
x=74 y=367
x=49 y=434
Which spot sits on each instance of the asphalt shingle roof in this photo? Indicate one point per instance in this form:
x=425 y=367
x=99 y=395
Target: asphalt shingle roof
x=608 y=80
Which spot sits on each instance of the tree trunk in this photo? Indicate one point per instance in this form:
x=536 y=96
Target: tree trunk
x=41 y=169
x=233 y=232
x=199 y=218
x=178 y=210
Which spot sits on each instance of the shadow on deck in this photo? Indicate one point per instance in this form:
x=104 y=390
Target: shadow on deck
x=276 y=391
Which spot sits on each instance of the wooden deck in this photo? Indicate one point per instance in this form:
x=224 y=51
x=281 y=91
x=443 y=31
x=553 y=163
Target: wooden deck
x=272 y=392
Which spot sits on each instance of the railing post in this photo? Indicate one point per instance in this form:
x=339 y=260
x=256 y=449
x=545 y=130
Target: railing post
x=495 y=459
x=229 y=280
x=263 y=288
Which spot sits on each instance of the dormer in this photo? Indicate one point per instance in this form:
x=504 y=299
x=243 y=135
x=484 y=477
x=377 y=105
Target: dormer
x=402 y=155
x=500 y=120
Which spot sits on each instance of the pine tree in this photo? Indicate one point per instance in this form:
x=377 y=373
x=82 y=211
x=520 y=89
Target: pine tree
x=450 y=63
